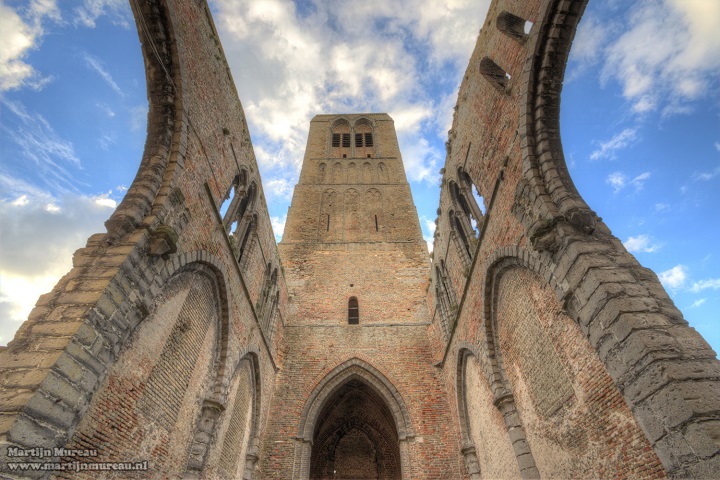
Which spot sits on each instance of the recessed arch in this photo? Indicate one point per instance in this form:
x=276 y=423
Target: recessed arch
x=353 y=370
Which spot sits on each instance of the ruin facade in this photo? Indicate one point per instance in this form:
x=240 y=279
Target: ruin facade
x=531 y=344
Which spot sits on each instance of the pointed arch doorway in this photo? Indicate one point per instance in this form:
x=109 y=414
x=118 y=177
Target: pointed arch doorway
x=354 y=425
x=355 y=436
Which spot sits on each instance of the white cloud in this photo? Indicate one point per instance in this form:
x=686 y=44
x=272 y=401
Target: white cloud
x=278 y=187
x=639 y=181
x=717 y=146
x=673 y=278
x=278 y=226
x=697 y=303
x=88 y=13
x=641 y=244
x=96 y=65
x=709 y=284
x=618 y=181
x=19 y=37
x=661 y=207
x=51 y=155
x=667 y=55
x=705 y=176
x=618 y=142
x=138 y=117
x=39 y=235
x=293 y=61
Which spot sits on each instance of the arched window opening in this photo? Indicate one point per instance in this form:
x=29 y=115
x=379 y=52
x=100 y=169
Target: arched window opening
x=364 y=145
x=470 y=216
x=494 y=74
x=246 y=240
x=340 y=139
x=226 y=203
x=460 y=238
x=513 y=26
x=353 y=311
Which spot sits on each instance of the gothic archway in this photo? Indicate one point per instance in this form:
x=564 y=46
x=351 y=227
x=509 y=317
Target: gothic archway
x=354 y=423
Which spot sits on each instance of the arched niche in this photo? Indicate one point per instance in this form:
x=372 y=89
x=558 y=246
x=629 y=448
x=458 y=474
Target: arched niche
x=575 y=420
x=486 y=442
x=173 y=362
x=233 y=427
x=383 y=426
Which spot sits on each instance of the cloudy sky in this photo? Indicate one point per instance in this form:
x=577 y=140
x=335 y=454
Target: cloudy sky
x=640 y=119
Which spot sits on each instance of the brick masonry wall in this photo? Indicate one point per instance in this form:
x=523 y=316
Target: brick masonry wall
x=63 y=363
x=152 y=347
x=505 y=136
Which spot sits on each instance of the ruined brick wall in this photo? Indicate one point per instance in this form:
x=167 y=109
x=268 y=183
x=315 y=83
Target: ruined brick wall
x=163 y=342
x=554 y=328
x=539 y=346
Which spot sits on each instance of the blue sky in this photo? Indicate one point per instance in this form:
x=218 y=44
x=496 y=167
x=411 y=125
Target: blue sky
x=640 y=119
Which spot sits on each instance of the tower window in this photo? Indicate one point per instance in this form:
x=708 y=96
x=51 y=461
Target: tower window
x=335 y=139
x=328 y=223
x=346 y=140
x=353 y=311
x=358 y=139
x=368 y=140
x=376 y=223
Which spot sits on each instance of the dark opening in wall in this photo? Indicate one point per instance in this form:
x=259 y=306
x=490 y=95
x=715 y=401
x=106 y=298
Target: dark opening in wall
x=376 y=223
x=353 y=311
x=346 y=140
x=513 y=25
x=494 y=74
x=335 y=139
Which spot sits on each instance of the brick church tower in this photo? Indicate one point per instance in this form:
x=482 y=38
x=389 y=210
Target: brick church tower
x=356 y=267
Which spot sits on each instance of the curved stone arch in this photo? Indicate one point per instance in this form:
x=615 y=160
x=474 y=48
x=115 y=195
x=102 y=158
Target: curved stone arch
x=539 y=126
x=353 y=368
x=364 y=121
x=467 y=446
x=495 y=265
x=373 y=435
x=206 y=432
x=186 y=262
x=344 y=121
x=503 y=401
x=465 y=349
x=165 y=81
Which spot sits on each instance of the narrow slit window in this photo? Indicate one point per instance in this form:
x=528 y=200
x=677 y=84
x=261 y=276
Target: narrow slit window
x=494 y=74
x=376 y=223
x=328 y=223
x=353 y=311
x=513 y=25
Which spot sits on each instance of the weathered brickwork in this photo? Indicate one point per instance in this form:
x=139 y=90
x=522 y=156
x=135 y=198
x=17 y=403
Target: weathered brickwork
x=530 y=344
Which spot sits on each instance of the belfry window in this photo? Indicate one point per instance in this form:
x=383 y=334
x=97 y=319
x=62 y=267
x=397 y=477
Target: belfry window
x=353 y=311
x=337 y=137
